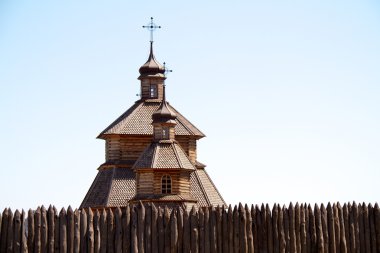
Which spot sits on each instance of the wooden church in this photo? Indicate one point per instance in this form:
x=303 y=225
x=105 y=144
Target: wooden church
x=151 y=153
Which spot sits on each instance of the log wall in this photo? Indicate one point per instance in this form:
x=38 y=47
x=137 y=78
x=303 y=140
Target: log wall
x=334 y=228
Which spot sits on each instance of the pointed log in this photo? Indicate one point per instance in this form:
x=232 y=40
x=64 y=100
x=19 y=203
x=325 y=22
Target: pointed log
x=10 y=232
x=297 y=227
x=167 y=229
x=319 y=229
x=242 y=229
x=367 y=229
x=140 y=227
x=308 y=229
x=62 y=231
x=76 y=231
x=148 y=229
x=37 y=230
x=276 y=241
x=207 y=229
x=194 y=230
x=134 y=240
x=325 y=229
x=118 y=231
x=230 y=230
x=1 y=220
x=90 y=232
x=361 y=229
x=50 y=219
x=218 y=212
x=180 y=228
x=351 y=220
x=337 y=228
x=343 y=244
x=57 y=230
x=44 y=230
x=201 y=230
x=372 y=227
x=346 y=227
x=110 y=231
x=249 y=229
x=103 y=231
x=83 y=231
x=303 y=232
x=4 y=230
x=254 y=228
x=154 y=229
x=186 y=232
x=126 y=220
x=17 y=232
x=213 y=232
x=313 y=230
x=281 y=233
x=264 y=228
x=377 y=226
x=96 y=223
x=331 y=227
x=70 y=230
x=269 y=228
x=236 y=230
x=292 y=230
x=355 y=211
x=24 y=242
x=173 y=232
x=286 y=229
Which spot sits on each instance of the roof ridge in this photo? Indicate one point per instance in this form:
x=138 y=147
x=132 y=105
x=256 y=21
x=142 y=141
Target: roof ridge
x=177 y=155
x=178 y=113
x=202 y=187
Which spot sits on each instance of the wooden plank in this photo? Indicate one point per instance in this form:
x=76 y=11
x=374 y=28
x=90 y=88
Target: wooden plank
x=343 y=243
x=50 y=219
x=90 y=232
x=57 y=230
x=319 y=229
x=76 y=231
x=44 y=230
x=118 y=231
x=346 y=227
x=148 y=229
x=180 y=228
x=269 y=226
x=70 y=230
x=62 y=231
x=173 y=232
x=134 y=240
x=213 y=232
x=207 y=229
x=313 y=230
x=140 y=227
x=297 y=226
x=218 y=212
x=286 y=229
x=4 y=230
x=376 y=212
x=83 y=231
x=355 y=217
x=242 y=229
x=264 y=228
x=17 y=231
x=361 y=230
x=9 y=247
x=308 y=232
x=249 y=229
x=367 y=229
x=167 y=229
x=186 y=232
x=96 y=223
x=331 y=228
x=230 y=230
x=351 y=221
x=154 y=229
x=236 y=230
x=292 y=231
x=110 y=231
x=276 y=241
x=194 y=231
x=201 y=230
x=37 y=230
x=103 y=231
x=161 y=230
x=303 y=231
x=372 y=227
x=24 y=242
x=254 y=228
x=281 y=230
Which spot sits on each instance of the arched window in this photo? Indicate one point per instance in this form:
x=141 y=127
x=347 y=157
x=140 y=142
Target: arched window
x=166 y=184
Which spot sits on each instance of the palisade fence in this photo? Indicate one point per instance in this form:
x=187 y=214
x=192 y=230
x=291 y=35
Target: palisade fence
x=349 y=228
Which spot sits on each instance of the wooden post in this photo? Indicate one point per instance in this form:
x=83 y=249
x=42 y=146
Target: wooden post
x=346 y=227
x=134 y=240
x=83 y=231
x=303 y=231
x=269 y=225
x=325 y=229
x=1 y=220
x=154 y=229
x=249 y=229
x=297 y=227
x=355 y=212
x=275 y=231
x=167 y=229
x=361 y=229
x=242 y=230
x=37 y=230
x=230 y=230
x=264 y=228
x=213 y=233
x=180 y=228
x=194 y=230
x=62 y=232
x=202 y=230
x=281 y=232
x=292 y=230
x=70 y=230
x=186 y=232
x=173 y=232
x=319 y=229
x=377 y=226
x=148 y=229
x=44 y=230
x=17 y=232
x=57 y=228
x=207 y=229
x=4 y=230
x=286 y=229
x=313 y=231
x=160 y=230
x=118 y=231
x=372 y=227
x=367 y=229
x=50 y=218
x=126 y=219
x=103 y=231
x=236 y=230
x=110 y=231
x=343 y=244
x=77 y=238
x=96 y=223
x=24 y=243
x=352 y=230
x=331 y=227
x=140 y=227
x=218 y=212
x=308 y=229
x=90 y=232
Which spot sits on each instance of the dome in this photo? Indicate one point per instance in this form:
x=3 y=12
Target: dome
x=152 y=66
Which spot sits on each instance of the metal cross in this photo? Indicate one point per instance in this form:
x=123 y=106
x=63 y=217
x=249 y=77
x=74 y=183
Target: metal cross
x=151 y=27
x=167 y=71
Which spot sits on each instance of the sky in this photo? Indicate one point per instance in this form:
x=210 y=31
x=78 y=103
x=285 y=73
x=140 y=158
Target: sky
x=287 y=93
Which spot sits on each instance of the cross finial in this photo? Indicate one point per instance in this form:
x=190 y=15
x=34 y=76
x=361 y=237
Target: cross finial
x=151 y=27
x=167 y=71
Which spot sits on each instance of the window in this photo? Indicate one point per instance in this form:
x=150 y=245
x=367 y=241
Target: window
x=165 y=133
x=153 y=90
x=166 y=184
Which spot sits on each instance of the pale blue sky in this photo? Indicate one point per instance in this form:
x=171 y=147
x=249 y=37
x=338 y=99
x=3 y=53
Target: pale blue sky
x=287 y=92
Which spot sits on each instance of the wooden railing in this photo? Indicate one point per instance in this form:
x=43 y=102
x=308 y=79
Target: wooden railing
x=300 y=228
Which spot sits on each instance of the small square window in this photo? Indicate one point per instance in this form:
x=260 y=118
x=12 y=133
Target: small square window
x=153 y=91
x=165 y=133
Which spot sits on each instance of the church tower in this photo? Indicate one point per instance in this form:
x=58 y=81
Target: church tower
x=150 y=121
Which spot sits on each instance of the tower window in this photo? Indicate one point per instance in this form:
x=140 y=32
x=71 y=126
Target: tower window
x=165 y=133
x=153 y=91
x=166 y=184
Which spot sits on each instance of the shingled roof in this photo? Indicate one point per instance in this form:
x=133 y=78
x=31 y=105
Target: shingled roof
x=116 y=186
x=137 y=120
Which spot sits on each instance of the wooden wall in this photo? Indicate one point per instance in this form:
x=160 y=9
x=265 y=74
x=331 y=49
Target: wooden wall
x=350 y=228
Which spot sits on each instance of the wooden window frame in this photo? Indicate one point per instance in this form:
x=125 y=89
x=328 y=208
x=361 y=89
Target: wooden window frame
x=165 y=133
x=166 y=184
x=153 y=91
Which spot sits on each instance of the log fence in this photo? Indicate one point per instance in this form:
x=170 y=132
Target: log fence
x=300 y=228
